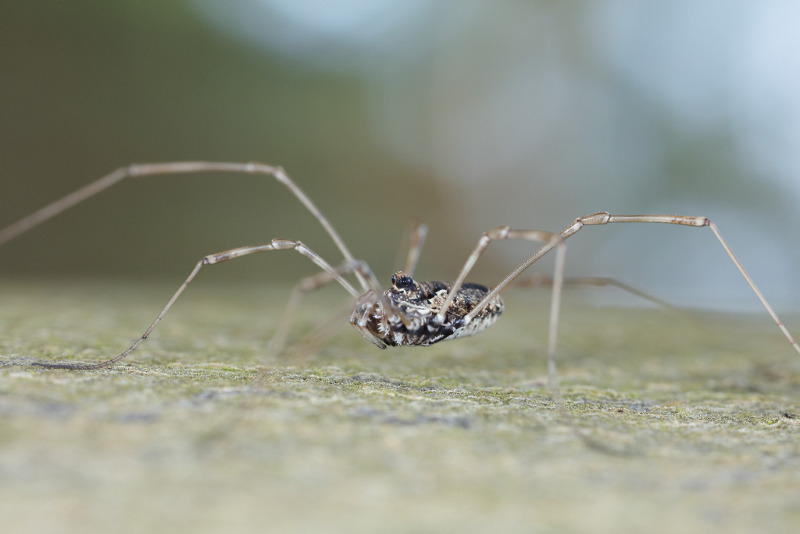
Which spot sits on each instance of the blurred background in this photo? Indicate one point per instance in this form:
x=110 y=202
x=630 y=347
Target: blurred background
x=467 y=115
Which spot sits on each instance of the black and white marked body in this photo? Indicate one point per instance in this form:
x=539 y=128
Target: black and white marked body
x=419 y=304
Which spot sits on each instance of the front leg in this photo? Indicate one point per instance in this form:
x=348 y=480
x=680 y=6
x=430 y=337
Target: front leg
x=212 y=259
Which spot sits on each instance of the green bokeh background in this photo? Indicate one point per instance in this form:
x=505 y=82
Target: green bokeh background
x=375 y=133
x=91 y=86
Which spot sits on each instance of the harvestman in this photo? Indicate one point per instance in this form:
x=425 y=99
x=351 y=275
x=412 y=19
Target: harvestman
x=408 y=313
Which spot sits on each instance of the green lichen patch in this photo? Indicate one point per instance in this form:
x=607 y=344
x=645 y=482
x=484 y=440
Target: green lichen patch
x=670 y=422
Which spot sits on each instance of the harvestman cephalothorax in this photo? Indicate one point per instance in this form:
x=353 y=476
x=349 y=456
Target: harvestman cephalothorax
x=410 y=312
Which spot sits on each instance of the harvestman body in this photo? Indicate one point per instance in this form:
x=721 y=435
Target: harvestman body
x=408 y=313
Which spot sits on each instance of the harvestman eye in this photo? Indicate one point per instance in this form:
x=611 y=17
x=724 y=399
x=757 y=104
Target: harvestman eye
x=401 y=280
x=411 y=312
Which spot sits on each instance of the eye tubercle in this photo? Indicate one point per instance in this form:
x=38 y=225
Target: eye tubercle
x=401 y=280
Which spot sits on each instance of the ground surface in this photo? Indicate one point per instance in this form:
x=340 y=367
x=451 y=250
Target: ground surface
x=672 y=423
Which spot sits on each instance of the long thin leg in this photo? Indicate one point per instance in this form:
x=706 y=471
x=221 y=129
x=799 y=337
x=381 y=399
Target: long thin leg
x=555 y=312
x=419 y=232
x=552 y=334
x=211 y=259
x=593 y=281
x=503 y=233
x=180 y=167
x=311 y=283
x=607 y=218
x=304 y=286
x=496 y=234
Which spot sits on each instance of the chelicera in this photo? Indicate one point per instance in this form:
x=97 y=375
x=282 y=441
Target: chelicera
x=410 y=312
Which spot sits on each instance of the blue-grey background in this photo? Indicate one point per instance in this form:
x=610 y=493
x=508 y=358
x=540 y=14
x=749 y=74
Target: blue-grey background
x=466 y=115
